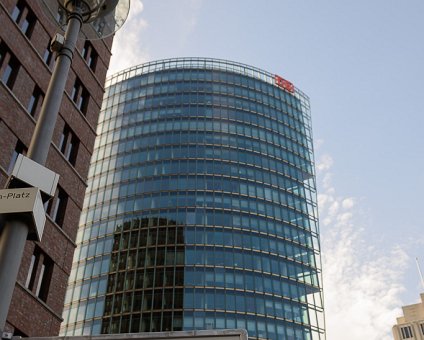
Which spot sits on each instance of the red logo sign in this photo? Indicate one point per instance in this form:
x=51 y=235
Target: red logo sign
x=284 y=84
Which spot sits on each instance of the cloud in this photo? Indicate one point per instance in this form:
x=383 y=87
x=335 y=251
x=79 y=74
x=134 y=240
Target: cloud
x=324 y=163
x=128 y=48
x=362 y=277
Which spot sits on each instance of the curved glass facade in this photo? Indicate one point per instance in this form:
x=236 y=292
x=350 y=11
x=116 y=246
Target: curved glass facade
x=200 y=210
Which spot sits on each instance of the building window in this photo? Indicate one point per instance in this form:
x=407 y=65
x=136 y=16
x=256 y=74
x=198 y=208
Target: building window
x=90 y=55
x=17 y=332
x=11 y=69
x=11 y=72
x=406 y=332
x=3 y=50
x=69 y=144
x=48 y=55
x=43 y=285
x=56 y=207
x=40 y=271
x=80 y=96
x=24 y=17
x=35 y=101
x=31 y=272
x=20 y=148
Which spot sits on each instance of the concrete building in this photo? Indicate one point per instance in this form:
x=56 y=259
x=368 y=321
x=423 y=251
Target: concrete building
x=411 y=324
x=25 y=69
x=200 y=211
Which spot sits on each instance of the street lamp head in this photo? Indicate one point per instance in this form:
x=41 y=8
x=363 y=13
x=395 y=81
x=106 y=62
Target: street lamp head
x=89 y=9
x=101 y=18
x=110 y=17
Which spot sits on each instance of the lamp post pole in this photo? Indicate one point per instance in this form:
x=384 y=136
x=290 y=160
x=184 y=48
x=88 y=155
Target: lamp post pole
x=15 y=231
x=43 y=133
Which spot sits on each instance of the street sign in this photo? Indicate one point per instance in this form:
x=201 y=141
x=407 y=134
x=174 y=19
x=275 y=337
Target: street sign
x=24 y=203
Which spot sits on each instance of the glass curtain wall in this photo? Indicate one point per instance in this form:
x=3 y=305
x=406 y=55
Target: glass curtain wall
x=200 y=211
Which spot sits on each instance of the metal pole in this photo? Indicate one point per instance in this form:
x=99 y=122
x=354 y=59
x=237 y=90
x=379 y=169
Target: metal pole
x=15 y=232
x=12 y=244
x=43 y=133
x=419 y=272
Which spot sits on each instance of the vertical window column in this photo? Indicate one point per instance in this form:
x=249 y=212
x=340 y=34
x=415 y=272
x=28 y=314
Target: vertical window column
x=56 y=207
x=69 y=144
x=48 y=56
x=90 y=55
x=24 y=18
x=9 y=66
x=406 y=332
x=35 y=101
x=39 y=274
x=80 y=96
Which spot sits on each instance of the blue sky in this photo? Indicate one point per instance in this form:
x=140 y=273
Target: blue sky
x=361 y=63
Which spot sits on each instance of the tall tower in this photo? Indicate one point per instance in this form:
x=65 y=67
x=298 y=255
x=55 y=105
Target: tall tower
x=26 y=65
x=200 y=210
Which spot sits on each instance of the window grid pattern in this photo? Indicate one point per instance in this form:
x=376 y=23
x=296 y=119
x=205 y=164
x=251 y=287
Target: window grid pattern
x=208 y=214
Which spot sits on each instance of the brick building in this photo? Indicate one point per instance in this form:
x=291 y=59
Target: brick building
x=25 y=69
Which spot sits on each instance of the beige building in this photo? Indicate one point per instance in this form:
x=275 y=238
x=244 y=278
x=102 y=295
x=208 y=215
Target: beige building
x=411 y=324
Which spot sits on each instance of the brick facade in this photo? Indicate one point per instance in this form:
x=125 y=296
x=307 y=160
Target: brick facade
x=35 y=311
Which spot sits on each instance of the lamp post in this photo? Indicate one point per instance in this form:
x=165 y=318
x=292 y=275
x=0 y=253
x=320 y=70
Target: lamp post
x=112 y=15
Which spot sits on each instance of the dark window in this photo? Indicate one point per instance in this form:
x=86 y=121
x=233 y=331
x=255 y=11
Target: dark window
x=39 y=274
x=19 y=148
x=90 y=55
x=17 y=332
x=406 y=332
x=11 y=69
x=57 y=206
x=3 y=51
x=17 y=12
x=48 y=55
x=43 y=285
x=24 y=17
x=35 y=101
x=69 y=144
x=80 y=96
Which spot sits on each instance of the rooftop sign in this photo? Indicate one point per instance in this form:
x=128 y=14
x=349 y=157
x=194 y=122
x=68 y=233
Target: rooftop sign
x=284 y=84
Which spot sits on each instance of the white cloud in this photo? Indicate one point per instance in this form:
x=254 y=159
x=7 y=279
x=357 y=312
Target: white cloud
x=324 y=163
x=128 y=48
x=362 y=278
x=348 y=203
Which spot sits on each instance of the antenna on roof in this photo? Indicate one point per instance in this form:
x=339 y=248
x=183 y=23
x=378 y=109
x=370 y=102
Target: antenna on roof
x=419 y=271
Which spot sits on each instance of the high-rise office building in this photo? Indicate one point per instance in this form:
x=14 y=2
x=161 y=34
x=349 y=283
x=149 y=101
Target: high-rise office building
x=411 y=324
x=200 y=211
x=25 y=69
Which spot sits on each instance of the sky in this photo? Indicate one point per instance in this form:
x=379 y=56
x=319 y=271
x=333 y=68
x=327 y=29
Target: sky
x=361 y=63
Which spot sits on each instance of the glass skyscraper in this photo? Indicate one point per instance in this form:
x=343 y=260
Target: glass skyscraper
x=200 y=210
